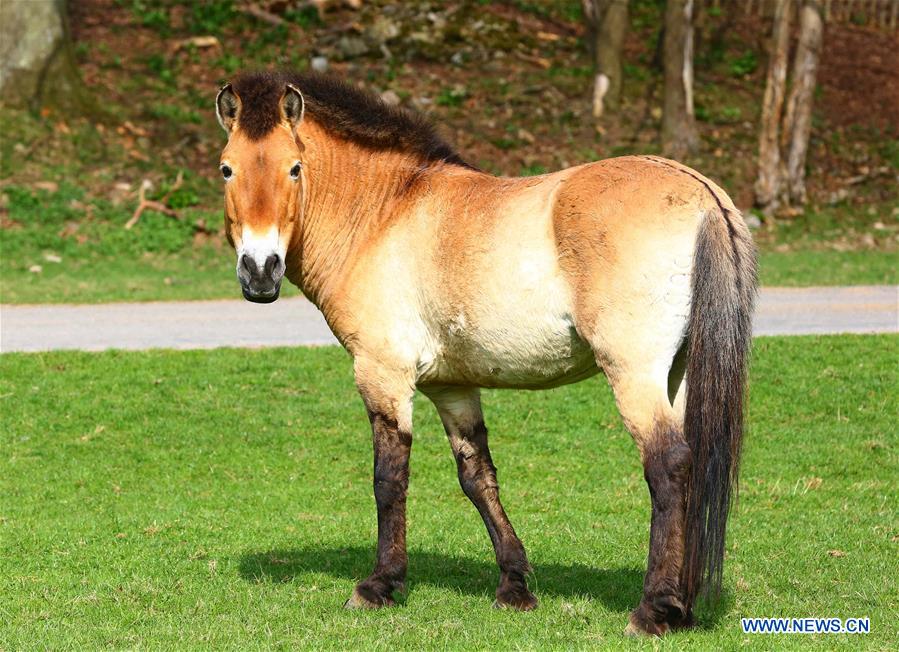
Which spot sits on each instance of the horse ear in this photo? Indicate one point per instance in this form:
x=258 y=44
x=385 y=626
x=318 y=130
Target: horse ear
x=227 y=106
x=293 y=105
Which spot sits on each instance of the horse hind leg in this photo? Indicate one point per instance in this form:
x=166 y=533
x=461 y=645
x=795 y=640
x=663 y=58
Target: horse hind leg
x=460 y=411
x=645 y=403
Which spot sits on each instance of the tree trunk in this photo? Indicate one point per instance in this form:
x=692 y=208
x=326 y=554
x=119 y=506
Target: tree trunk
x=798 y=122
x=768 y=186
x=37 y=66
x=678 y=124
x=606 y=26
x=701 y=25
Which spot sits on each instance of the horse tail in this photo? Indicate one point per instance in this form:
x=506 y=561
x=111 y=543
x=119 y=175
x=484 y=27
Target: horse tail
x=719 y=336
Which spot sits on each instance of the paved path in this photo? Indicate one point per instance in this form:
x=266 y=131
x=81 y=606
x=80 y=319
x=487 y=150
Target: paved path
x=290 y=322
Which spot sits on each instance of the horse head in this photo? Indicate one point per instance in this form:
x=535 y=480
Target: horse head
x=263 y=177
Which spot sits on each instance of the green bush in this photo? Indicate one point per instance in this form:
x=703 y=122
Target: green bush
x=745 y=64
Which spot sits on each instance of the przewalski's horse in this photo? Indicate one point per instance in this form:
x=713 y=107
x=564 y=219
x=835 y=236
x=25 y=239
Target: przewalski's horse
x=438 y=277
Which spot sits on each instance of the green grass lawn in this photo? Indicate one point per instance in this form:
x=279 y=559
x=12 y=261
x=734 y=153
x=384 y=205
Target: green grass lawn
x=52 y=253
x=804 y=268
x=223 y=500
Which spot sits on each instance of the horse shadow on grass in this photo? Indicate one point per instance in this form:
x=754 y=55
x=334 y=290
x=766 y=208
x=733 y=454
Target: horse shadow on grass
x=618 y=589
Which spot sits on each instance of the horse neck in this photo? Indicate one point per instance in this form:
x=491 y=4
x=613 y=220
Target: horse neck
x=350 y=194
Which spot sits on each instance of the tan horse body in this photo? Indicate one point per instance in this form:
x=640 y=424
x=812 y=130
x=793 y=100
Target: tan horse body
x=441 y=278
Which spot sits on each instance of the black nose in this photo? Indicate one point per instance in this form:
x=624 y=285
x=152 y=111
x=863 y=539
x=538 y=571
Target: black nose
x=260 y=284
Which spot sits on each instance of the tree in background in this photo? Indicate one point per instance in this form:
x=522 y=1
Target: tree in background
x=768 y=183
x=784 y=133
x=678 y=123
x=37 y=67
x=606 y=26
x=799 y=104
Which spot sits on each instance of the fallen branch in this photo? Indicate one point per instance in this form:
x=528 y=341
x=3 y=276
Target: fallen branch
x=866 y=175
x=532 y=58
x=154 y=205
x=261 y=14
x=199 y=42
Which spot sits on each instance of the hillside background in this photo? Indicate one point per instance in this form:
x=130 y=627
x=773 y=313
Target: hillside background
x=508 y=83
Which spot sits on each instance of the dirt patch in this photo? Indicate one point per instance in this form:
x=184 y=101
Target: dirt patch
x=859 y=78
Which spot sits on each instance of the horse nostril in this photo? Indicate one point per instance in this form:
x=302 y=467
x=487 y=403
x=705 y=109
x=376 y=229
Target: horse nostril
x=271 y=263
x=248 y=264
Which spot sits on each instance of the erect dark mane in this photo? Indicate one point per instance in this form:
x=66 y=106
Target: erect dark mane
x=344 y=110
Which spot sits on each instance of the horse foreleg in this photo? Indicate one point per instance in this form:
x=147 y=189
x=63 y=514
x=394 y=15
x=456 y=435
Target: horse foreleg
x=460 y=411
x=388 y=399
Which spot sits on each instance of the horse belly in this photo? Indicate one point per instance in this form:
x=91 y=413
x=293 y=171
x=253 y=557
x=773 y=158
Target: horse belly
x=517 y=335
x=539 y=358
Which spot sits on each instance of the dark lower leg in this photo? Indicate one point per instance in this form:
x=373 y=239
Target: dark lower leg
x=391 y=480
x=666 y=467
x=477 y=475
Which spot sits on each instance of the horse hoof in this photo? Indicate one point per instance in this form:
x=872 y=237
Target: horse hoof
x=685 y=622
x=637 y=626
x=359 y=601
x=518 y=600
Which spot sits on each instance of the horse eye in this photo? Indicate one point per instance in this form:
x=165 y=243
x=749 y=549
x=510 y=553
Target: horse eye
x=226 y=171
x=295 y=171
